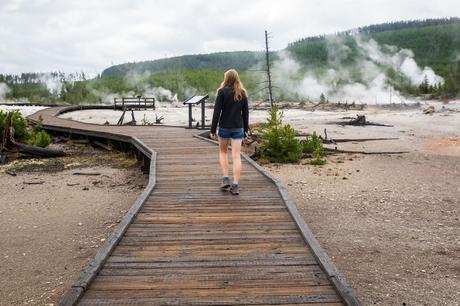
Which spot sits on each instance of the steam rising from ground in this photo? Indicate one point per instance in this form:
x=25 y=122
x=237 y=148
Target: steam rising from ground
x=147 y=90
x=4 y=90
x=53 y=85
x=363 y=80
x=142 y=88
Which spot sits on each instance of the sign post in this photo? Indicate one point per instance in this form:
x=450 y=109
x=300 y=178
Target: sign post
x=195 y=100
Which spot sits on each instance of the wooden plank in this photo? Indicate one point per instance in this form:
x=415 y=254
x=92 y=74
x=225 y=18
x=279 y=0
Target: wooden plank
x=274 y=290
x=216 y=272
x=154 y=283
x=324 y=300
x=206 y=264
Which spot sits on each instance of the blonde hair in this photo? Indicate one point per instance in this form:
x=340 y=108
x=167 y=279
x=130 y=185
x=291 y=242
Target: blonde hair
x=232 y=79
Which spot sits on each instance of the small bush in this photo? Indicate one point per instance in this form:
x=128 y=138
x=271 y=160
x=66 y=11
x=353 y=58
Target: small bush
x=18 y=122
x=39 y=125
x=279 y=142
x=312 y=143
x=40 y=139
x=314 y=146
x=22 y=133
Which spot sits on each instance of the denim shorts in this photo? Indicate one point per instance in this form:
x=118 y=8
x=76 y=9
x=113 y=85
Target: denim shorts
x=233 y=133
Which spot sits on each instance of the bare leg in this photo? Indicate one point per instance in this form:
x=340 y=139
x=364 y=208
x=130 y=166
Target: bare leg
x=223 y=149
x=236 y=158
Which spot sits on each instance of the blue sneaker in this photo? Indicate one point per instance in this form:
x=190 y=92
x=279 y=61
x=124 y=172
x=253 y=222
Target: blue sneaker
x=235 y=189
x=225 y=184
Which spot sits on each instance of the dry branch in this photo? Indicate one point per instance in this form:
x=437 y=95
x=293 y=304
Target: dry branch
x=87 y=173
x=337 y=151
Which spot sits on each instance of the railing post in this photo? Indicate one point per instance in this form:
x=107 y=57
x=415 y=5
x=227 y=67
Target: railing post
x=190 y=116
x=203 y=115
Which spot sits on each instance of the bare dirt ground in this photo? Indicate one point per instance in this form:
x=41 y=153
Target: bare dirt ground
x=389 y=222
x=50 y=230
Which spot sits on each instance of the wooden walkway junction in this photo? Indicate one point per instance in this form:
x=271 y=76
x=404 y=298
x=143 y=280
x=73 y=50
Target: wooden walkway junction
x=185 y=242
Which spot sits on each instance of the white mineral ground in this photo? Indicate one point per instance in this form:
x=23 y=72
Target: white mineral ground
x=389 y=222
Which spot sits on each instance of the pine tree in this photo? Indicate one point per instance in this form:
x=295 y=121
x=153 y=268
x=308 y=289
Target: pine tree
x=322 y=98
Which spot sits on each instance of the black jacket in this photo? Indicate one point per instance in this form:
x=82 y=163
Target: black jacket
x=228 y=112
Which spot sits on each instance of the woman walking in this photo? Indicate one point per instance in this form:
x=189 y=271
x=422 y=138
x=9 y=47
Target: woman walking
x=232 y=114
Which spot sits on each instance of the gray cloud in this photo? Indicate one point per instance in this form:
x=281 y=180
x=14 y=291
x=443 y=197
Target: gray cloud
x=88 y=35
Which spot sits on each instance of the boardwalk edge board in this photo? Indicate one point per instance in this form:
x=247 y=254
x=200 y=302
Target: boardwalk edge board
x=339 y=282
x=72 y=296
x=90 y=272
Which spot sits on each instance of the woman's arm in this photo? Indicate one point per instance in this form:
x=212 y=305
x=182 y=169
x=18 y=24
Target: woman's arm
x=217 y=110
x=245 y=111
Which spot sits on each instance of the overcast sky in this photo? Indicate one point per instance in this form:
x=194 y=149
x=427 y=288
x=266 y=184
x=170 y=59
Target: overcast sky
x=90 y=35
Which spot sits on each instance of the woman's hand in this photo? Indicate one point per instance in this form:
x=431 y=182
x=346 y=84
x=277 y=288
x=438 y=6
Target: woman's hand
x=213 y=136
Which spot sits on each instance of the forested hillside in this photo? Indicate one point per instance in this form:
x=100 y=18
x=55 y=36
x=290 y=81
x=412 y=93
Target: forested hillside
x=437 y=46
x=241 y=60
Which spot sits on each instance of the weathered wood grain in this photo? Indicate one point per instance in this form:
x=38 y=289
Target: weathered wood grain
x=185 y=242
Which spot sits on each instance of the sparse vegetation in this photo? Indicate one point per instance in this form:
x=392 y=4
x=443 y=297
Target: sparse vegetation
x=145 y=121
x=313 y=145
x=23 y=133
x=279 y=142
x=19 y=124
x=40 y=139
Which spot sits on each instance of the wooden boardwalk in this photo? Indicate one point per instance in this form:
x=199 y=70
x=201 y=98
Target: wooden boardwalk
x=185 y=242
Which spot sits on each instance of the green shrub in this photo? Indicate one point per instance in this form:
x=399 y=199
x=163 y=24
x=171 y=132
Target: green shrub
x=2 y=121
x=312 y=143
x=40 y=139
x=18 y=122
x=39 y=125
x=22 y=133
x=279 y=142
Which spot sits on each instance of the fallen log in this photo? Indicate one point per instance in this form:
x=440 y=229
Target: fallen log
x=37 y=151
x=362 y=139
x=327 y=140
x=10 y=146
x=87 y=173
x=337 y=151
x=33 y=182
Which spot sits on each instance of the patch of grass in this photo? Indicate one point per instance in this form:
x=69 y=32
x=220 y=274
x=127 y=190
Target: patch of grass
x=263 y=161
x=317 y=162
x=145 y=121
x=122 y=160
